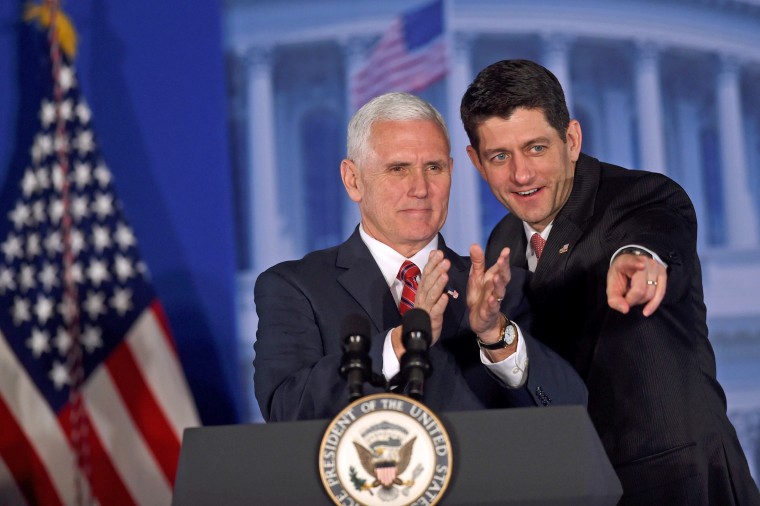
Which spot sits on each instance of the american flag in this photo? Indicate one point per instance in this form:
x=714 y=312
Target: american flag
x=410 y=56
x=93 y=399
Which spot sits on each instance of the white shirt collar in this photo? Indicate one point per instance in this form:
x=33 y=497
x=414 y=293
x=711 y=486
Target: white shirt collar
x=529 y=231
x=390 y=260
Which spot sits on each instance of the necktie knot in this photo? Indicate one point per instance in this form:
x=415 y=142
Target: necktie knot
x=537 y=242
x=408 y=274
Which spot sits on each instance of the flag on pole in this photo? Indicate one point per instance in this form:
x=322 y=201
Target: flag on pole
x=410 y=56
x=93 y=399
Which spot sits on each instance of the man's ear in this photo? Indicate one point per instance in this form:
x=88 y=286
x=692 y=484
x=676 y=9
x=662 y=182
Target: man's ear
x=475 y=159
x=574 y=139
x=350 y=178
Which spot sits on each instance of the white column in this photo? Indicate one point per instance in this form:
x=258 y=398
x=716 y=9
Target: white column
x=649 y=107
x=556 y=59
x=355 y=51
x=618 y=128
x=270 y=241
x=740 y=214
x=689 y=122
x=463 y=226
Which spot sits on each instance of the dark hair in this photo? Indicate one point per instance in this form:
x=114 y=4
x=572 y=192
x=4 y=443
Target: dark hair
x=504 y=86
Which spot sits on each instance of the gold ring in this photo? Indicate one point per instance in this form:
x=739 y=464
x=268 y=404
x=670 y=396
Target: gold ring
x=651 y=282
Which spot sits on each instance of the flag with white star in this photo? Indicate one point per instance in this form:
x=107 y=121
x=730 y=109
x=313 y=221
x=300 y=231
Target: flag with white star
x=93 y=400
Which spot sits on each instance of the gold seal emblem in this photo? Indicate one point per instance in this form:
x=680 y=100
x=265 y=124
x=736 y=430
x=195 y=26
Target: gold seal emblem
x=388 y=450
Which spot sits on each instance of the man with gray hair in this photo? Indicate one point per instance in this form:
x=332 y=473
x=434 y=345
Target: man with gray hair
x=398 y=171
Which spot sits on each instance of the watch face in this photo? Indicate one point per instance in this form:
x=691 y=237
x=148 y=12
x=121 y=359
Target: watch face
x=509 y=334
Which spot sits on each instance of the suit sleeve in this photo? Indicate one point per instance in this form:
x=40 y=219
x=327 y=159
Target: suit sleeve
x=661 y=218
x=295 y=378
x=551 y=379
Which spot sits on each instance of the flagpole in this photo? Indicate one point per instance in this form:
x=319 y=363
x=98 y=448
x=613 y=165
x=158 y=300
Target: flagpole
x=74 y=358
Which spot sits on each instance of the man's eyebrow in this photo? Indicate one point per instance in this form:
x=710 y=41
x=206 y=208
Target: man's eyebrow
x=526 y=144
x=537 y=140
x=398 y=164
x=409 y=164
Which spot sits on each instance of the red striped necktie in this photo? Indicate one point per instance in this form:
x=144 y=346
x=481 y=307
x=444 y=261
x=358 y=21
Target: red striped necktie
x=408 y=274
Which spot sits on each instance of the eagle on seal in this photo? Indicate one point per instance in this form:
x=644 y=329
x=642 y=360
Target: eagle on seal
x=386 y=464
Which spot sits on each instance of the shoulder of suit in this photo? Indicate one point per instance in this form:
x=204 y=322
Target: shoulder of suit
x=653 y=179
x=312 y=262
x=508 y=222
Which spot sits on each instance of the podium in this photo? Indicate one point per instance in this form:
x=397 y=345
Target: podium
x=537 y=456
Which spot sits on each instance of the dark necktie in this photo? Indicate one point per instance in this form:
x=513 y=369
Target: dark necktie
x=408 y=274
x=538 y=243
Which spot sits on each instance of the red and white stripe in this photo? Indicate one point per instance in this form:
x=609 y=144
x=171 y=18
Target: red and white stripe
x=386 y=475
x=137 y=405
x=391 y=67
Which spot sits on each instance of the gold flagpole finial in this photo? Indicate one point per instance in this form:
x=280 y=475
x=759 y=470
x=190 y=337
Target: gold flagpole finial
x=67 y=35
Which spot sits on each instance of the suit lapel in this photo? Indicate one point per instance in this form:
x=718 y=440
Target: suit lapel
x=570 y=223
x=510 y=233
x=458 y=275
x=363 y=280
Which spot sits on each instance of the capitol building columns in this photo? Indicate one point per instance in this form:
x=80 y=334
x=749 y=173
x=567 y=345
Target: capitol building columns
x=741 y=222
x=650 y=117
x=463 y=225
x=355 y=51
x=270 y=244
x=688 y=121
x=556 y=58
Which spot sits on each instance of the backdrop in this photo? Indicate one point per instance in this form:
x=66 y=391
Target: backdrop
x=153 y=74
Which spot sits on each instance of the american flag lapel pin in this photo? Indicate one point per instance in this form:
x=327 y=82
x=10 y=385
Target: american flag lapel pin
x=564 y=248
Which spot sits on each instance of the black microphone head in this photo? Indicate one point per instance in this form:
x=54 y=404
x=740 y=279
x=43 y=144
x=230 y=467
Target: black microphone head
x=416 y=324
x=353 y=326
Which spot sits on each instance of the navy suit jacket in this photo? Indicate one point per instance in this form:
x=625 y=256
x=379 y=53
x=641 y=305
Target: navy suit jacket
x=653 y=393
x=301 y=307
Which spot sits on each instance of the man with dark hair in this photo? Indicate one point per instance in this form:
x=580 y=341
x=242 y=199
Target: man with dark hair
x=604 y=242
x=398 y=171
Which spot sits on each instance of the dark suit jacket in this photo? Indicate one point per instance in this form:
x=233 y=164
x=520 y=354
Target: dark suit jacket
x=653 y=393
x=302 y=304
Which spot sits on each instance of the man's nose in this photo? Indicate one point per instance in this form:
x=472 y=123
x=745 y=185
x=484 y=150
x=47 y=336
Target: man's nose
x=418 y=184
x=522 y=171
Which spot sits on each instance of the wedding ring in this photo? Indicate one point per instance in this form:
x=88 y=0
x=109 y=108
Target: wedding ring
x=651 y=282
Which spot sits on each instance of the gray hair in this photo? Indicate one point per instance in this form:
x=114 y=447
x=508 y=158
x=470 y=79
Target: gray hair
x=393 y=106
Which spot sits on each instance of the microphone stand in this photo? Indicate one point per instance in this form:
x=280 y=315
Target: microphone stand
x=416 y=337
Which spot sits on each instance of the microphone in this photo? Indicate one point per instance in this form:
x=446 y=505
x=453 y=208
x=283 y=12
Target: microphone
x=355 y=366
x=416 y=338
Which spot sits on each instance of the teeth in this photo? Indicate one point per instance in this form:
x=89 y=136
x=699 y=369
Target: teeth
x=529 y=192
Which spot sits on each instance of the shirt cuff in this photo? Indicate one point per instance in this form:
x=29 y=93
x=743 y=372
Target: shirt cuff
x=513 y=370
x=391 y=365
x=654 y=255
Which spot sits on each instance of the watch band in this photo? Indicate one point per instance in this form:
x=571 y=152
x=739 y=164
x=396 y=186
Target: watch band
x=507 y=336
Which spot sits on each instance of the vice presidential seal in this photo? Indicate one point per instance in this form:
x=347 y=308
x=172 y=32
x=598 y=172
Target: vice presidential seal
x=385 y=449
